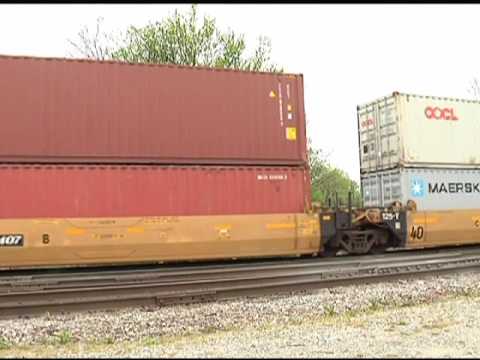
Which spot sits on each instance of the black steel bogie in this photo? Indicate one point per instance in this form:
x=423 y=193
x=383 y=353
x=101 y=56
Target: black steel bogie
x=339 y=231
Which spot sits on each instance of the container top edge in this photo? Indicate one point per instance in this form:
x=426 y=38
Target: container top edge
x=396 y=93
x=421 y=169
x=93 y=61
x=382 y=98
x=157 y=166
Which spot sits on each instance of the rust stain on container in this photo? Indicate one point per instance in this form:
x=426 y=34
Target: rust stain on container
x=70 y=111
x=69 y=191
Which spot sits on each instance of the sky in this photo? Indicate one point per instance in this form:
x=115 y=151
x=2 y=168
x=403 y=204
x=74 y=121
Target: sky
x=348 y=54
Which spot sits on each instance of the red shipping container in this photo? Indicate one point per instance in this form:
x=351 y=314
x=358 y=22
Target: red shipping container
x=109 y=191
x=70 y=111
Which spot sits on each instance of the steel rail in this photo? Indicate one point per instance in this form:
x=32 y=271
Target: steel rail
x=31 y=294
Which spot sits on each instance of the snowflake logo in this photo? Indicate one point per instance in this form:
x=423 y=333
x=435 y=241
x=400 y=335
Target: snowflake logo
x=418 y=187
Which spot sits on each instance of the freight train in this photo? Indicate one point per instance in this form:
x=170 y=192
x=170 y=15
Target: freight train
x=106 y=162
x=119 y=240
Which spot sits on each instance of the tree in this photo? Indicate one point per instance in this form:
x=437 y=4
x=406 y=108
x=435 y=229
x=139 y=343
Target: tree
x=93 y=46
x=178 y=39
x=329 y=181
x=181 y=39
x=474 y=88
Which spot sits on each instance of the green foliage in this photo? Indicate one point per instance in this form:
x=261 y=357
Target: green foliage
x=329 y=310
x=151 y=341
x=328 y=180
x=179 y=39
x=184 y=40
x=109 y=340
x=65 y=337
x=4 y=344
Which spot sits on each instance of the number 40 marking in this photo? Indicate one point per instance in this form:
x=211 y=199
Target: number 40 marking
x=417 y=232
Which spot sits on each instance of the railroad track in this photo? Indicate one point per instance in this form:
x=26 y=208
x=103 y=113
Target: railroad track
x=27 y=294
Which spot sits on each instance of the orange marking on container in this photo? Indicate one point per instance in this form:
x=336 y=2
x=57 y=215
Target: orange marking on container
x=136 y=229
x=75 y=231
x=425 y=221
x=281 y=226
x=46 y=221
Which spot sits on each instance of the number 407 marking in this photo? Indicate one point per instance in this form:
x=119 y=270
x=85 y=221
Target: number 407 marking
x=11 y=240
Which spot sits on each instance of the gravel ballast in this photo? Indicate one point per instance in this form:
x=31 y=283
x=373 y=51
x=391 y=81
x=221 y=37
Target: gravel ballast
x=344 y=321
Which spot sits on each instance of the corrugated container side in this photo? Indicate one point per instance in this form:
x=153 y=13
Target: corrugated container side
x=430 y=188
x=418 y=131
x=379 y=135
x=111 y=191
x=70 y=111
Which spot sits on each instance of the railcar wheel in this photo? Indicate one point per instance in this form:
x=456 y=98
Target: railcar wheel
x=362 y=241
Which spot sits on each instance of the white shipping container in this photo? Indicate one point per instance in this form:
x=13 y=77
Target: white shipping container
x=430 y=188
x=418 y=131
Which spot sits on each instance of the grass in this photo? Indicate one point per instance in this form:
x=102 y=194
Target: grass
x=377 y=305
x=151 y=341
x=328 y=316
x=439 y=325
x=209 y=330
x=109 y=340
x=329 y=310
x=64 y=337
x=4 y=344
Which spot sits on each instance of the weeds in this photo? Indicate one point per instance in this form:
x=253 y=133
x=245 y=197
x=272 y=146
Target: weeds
x=109 y=340
x=209 y=330
x=151 y=341
x=329 y=310
x=65 y=337
x=4 y=344
x=376 y=305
